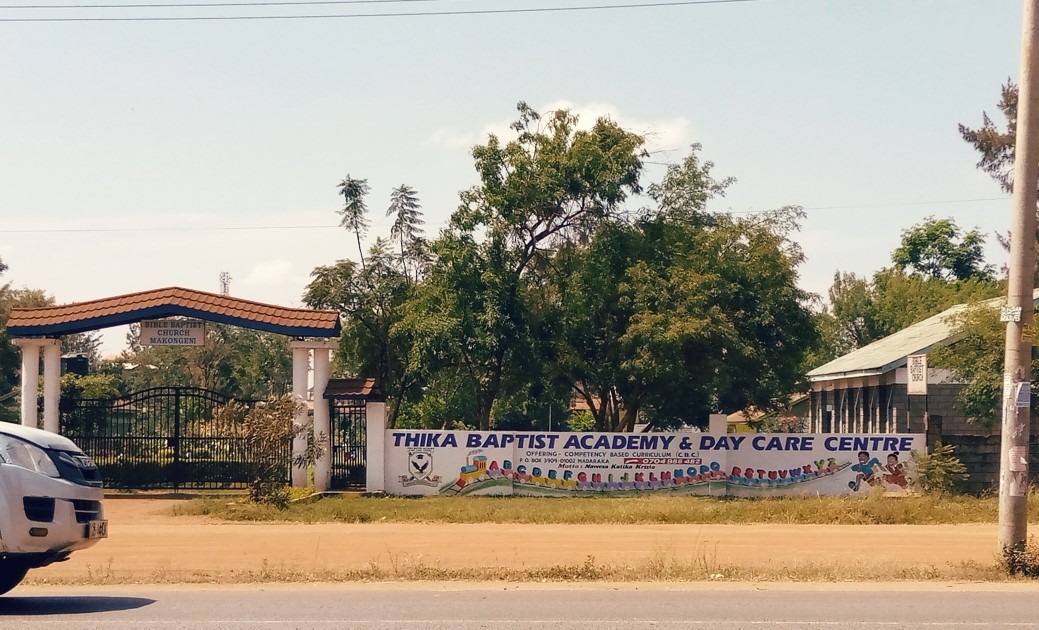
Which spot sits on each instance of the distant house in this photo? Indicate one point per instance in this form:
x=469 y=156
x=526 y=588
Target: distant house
x=865 y=391
x=791 y=417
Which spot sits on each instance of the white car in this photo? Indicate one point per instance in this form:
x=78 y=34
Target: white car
x=51 y=497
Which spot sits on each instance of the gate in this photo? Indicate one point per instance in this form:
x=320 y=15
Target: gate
x=163 y=437
x=348 y=443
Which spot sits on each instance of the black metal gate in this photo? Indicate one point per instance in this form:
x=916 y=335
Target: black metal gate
x=348 y=443
x=163 y=437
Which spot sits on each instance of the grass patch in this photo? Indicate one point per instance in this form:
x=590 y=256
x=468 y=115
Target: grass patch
x=871 y=510
x=657 y=568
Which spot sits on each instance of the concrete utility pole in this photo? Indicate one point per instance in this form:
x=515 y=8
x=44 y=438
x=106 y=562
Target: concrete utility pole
x=1018 y=314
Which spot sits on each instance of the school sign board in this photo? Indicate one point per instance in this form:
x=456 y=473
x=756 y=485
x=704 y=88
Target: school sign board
x=617 y=464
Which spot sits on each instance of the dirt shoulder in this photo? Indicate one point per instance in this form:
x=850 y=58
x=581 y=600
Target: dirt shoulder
x=146 y=544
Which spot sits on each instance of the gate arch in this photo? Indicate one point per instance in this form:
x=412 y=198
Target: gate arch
x=37 y=331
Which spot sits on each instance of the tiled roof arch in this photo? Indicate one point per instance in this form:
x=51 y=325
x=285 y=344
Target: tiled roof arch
x=170 y=302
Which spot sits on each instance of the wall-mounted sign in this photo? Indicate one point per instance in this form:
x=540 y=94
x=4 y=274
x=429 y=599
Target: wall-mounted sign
x=556 y=464
x=917 y=368
x=173 y=332
x=1009 y=313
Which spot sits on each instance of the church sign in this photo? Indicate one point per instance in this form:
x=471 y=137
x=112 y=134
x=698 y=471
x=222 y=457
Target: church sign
x=173 y=332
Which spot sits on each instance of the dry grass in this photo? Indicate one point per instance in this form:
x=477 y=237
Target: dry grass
x=659 y=567
x=871 y=510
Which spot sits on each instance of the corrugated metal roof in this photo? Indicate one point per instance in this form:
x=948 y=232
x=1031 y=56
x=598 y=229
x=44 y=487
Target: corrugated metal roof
x=889 y=353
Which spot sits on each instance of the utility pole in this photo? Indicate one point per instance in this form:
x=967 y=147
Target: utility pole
x=1019 y=311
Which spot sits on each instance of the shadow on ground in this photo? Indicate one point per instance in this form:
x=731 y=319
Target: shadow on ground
x=82 y=605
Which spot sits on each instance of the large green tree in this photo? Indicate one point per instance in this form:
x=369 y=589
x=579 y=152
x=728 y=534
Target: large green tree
x=938 y=248
x=671 y=319
x=553 y=185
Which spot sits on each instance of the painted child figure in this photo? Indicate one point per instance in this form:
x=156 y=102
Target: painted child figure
x=866 y=471
x=895 y=472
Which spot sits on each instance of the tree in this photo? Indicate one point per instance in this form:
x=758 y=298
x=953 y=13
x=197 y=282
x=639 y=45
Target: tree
x=682 y=313
x=670 y=320
x=931 y=249
x=852 y=309
x=996 y=146
x=936 y=266
x=267 y=429
x=239 y=362
x=553 y=185
x=9 y=357
x=975 y=364
x=407 y=224
x=687 y=187
x=354 y=210
x=370 y=300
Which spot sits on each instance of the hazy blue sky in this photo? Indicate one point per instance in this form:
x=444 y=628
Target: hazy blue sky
x=163 y=132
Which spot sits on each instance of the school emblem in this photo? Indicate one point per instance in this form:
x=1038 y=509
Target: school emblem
x=419 y=464
x=420 y=469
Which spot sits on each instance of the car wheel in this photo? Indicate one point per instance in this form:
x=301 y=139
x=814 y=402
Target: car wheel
x=12 y=572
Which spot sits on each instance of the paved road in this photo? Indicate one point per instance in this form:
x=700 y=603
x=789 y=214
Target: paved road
x=507 y=607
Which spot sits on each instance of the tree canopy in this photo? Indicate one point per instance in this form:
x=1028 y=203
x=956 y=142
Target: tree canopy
x=935 y=266
x=547 y=286
x=938 y=248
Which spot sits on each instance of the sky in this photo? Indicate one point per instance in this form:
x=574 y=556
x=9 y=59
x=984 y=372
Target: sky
x=143 y=154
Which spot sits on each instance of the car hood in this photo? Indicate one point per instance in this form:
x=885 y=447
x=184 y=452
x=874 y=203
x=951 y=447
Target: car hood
x=46 y=439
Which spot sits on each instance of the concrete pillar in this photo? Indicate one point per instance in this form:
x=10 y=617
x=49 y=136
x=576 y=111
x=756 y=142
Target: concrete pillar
x=717 y=424
x=51 y=384
x=322 y=426
x=300 y=374
x=375 y=466
x=30 y=380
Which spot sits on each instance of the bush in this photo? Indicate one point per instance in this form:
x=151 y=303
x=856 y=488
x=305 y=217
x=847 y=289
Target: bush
x=939 y=472
x=1021 y=561
x=268 y=429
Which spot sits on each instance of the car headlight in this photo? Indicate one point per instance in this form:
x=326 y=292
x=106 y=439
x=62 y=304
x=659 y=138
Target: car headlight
x=26 y=455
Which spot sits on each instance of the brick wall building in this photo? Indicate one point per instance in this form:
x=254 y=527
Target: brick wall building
x=866 y=391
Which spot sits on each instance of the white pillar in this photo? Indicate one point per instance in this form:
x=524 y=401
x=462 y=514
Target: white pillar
x=300 y=372
x=30 y=380
x=322 y=426
x=717 y=424
x=375 y=473
x=51 y=384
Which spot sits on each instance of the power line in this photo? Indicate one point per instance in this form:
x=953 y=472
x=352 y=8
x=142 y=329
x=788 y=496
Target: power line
x=195 y=5
x=245 y=228
x=189 y=18
x=911 y=203
x=896 y=204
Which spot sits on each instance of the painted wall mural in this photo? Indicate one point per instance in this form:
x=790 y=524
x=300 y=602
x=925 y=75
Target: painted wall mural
x=607 y=464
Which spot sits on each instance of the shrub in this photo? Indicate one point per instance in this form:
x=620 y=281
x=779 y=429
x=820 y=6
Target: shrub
x=939 y=472
x=1023 y=560
x=268 y=429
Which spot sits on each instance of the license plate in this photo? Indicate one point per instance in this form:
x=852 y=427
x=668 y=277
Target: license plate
x=97 y=529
